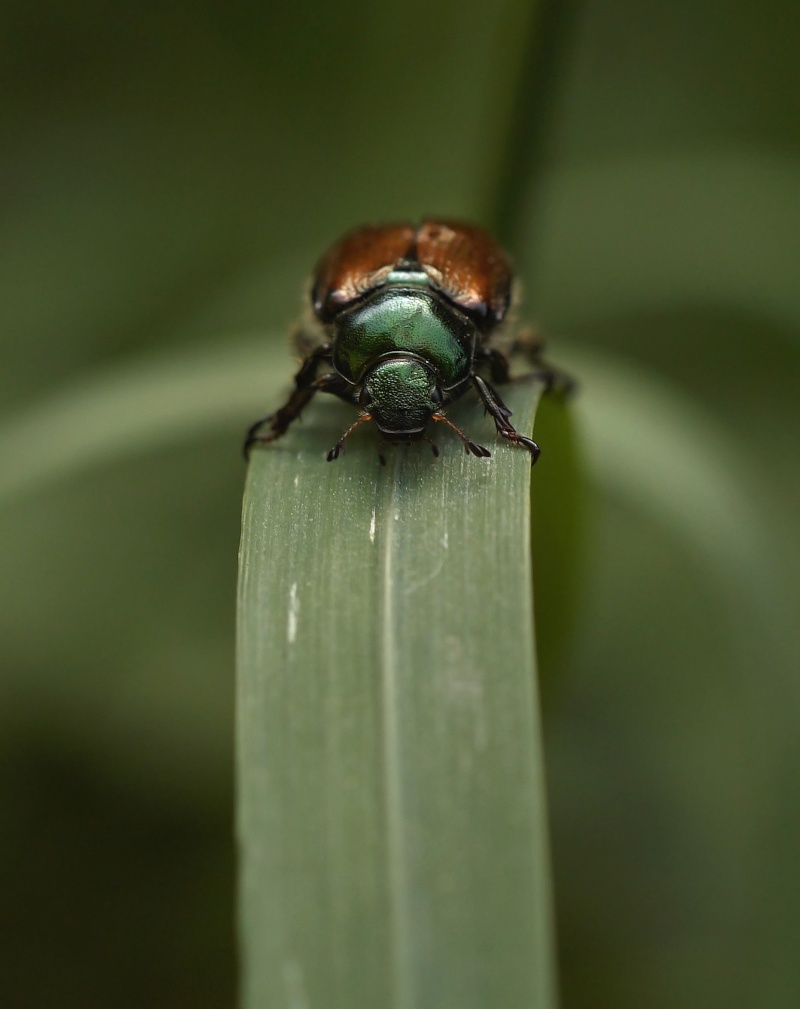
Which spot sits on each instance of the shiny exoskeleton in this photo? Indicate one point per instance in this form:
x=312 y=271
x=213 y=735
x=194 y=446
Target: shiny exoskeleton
x=404 y=320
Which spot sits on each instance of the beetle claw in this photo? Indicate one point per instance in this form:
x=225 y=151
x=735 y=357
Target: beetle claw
x=478 y=450
x=530 y=445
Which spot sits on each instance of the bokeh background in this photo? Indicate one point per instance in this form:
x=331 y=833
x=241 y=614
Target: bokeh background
x=169 y=173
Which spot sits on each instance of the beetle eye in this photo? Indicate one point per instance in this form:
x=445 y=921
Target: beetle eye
x=436 y=396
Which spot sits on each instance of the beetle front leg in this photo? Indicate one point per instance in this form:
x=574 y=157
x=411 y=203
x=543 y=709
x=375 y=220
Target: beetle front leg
x=500 y=414
x=306 y=384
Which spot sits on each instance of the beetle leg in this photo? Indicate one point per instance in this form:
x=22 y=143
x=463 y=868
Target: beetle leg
x=497 y=361
x=306 y=384
x=553 y=378
x=530 y=343
x=339 y=446
x=500 y=414
x=469 y=446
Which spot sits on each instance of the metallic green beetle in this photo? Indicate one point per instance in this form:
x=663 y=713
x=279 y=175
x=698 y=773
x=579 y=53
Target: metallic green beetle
x=403 y=321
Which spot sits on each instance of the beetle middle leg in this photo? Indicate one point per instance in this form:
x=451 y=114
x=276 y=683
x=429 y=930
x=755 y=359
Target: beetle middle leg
x=497 y=361
x=529 y=343
x=500 y=414
x=306 y=385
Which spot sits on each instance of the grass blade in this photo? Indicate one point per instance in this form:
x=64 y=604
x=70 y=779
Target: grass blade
x=391 y=796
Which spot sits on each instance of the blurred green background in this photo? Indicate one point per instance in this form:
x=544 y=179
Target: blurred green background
x=169 y=174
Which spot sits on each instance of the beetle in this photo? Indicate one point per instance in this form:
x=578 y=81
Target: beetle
x=405 y=319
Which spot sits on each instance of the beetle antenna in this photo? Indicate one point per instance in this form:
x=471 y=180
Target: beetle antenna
x=339 y=446
x=469 y=446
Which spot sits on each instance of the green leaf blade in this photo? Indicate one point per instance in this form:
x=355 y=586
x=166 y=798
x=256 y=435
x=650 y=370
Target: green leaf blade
x=392 y=819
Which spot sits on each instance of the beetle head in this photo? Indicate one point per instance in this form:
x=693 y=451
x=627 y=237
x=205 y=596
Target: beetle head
x=401 y=393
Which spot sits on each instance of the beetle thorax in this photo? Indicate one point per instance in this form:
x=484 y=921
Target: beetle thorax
x=404 y=320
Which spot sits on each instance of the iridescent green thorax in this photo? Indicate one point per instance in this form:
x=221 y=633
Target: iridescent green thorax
x=404 y=319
